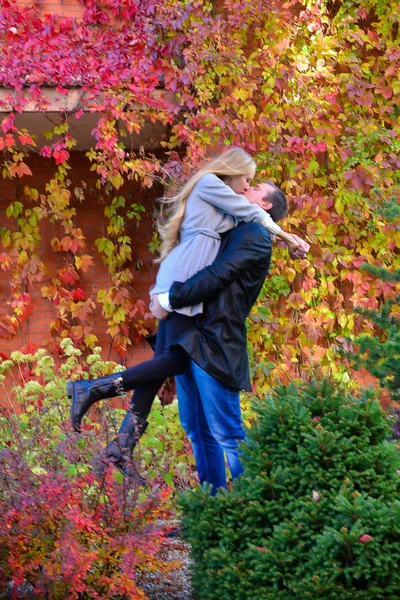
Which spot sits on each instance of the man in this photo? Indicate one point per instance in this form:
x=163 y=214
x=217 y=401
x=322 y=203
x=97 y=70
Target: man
x=208 y=392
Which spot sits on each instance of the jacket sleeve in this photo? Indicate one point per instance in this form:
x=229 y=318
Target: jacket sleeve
x=214 y=191
x=248 y=246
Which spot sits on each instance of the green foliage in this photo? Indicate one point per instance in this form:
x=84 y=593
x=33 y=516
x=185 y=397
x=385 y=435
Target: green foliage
x=379 y=351
x=309 y=88
x=316 y=513
x=66 y=531
x=165 y=453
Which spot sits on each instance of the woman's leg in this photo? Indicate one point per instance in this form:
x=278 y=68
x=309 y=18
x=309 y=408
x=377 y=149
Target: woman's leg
x=168 y=360
x=156 y=369
x=119 y=451
x=164 y=364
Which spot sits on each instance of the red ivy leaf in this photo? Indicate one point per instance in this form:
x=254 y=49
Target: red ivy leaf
x=46 y=151
x=8 y=123
x=30 y=348
x=7 y=142
x=69 y=276
x=60 y=156
x=26 y=139
x=78 y=295
x=139 y=307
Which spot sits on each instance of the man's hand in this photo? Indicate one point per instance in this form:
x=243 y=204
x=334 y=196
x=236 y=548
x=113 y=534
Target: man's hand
x=299 y=249
x=157 y=310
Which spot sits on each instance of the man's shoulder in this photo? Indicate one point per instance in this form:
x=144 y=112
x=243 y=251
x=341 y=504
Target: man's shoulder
x=252 y=230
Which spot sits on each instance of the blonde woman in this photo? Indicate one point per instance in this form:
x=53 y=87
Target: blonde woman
x=209 y=204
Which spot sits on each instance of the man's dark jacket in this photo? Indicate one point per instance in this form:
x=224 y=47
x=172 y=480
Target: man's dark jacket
x=216 y=339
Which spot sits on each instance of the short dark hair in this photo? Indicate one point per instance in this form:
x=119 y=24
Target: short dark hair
x=278 y=200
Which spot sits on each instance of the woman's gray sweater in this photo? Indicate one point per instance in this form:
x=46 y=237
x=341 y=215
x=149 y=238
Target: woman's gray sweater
x=212 y=208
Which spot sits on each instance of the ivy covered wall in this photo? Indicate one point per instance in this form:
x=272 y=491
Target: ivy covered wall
x=309 y=88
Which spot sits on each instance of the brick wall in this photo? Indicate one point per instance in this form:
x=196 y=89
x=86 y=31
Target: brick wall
x=64 y=8
x=90 y=218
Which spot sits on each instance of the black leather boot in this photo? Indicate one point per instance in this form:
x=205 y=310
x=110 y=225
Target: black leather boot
x=119 y=451
x=84 y=393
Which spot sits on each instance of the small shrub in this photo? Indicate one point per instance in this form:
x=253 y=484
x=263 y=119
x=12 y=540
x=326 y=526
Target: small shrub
x=164 y=452
x=65 y=532
x=65 y=536
x=316 y=513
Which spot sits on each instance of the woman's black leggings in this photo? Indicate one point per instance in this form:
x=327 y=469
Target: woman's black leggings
x=147 y=377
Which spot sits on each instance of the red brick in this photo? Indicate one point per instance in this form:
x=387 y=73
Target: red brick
x=90 y=217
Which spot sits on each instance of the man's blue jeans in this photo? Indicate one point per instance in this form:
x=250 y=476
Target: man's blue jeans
x=210 y=415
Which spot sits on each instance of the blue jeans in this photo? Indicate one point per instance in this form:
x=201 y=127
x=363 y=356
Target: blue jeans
x=210 y=415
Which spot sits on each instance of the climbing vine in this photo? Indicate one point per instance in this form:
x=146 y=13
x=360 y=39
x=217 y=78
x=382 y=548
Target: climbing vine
x=309 y=88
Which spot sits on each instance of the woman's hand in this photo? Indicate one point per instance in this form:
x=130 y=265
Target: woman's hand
x=297 y=247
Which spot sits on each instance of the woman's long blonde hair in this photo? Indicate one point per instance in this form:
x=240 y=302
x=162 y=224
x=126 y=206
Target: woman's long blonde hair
x=229 y=163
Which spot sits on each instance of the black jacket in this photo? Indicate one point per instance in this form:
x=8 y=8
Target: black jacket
x=216 y=339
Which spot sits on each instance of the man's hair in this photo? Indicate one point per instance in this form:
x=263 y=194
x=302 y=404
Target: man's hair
x=278 y=200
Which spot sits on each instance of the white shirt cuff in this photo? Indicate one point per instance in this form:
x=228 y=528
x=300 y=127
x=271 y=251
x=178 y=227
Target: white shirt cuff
x=270 y=224
x=164 y=301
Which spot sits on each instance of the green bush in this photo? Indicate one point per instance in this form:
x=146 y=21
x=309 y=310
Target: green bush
x=316 y=513
x=379 y=350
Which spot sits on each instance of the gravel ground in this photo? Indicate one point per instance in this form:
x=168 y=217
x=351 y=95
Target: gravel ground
x=175 y=585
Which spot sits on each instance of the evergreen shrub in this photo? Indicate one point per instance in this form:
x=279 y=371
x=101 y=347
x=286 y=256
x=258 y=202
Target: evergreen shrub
x=316 y=513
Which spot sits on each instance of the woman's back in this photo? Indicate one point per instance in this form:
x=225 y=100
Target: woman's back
x=201 y=214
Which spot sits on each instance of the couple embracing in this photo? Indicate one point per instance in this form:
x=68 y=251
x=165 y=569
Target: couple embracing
x=215 y=255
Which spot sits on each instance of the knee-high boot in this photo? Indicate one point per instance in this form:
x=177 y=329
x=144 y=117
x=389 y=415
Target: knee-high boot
x=84 y=393
x=119 y=451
